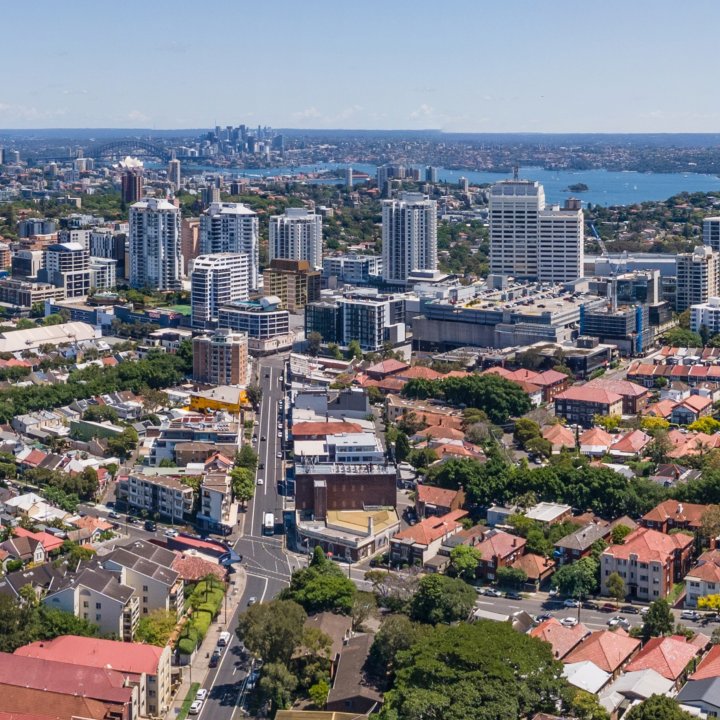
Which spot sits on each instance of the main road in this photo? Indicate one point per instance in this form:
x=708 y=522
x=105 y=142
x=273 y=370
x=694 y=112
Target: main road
x=266 y=565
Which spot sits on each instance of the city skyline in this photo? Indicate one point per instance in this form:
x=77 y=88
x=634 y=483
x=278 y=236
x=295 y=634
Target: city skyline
x=470 y=67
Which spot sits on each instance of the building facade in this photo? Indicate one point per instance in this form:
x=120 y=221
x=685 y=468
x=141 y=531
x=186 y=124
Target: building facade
x=221 y=358
x=561 y=243
x=155 y=260
x=294 y=282
x=232 y=228
x=409 y=236
x=297 y=235
x=216 y=280
x=698 y=277
x=67 y=265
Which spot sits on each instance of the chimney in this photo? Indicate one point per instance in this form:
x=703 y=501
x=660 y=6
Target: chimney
x=679 y=509
x=371 y=525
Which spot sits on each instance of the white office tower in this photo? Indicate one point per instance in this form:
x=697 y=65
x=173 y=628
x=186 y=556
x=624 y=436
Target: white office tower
x=174 y=173
x=217 y=280
x=514 y=217
x=67 y=266
x=348 y=177
x=698 y=277
x=409 y=236
x=155 y=259
x=297 y=235
x=561 y=242
x=711 y=233
x=232 y=228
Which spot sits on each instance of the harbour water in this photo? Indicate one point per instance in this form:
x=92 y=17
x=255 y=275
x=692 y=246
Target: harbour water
x=605 y=187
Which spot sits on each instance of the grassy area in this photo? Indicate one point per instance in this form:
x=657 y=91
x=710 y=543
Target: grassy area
x=675 y=593
x=185 y=709
x=183 y=309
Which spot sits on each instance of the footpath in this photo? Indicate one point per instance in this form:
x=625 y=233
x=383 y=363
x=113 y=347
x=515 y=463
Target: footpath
x=198 y=670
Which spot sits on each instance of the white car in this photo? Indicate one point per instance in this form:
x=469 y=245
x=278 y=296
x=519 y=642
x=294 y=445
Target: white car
x=571 y=603
x=569 y=622
x=196 y=707
x=278 y=455
x=201 y=694
x=260 y=481
x=280 y=434
x=618 y=620
x=690 y=615
x=280 y=426
x=170 y=533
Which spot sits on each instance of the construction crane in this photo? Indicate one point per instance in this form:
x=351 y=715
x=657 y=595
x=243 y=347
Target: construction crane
x=600 y=241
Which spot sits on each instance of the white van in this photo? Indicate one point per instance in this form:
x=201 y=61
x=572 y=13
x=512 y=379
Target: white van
x=224 y=639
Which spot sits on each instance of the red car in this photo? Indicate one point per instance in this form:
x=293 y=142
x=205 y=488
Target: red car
x=607 y=607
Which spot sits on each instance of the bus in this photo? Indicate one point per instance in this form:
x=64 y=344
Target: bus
x=268 y=524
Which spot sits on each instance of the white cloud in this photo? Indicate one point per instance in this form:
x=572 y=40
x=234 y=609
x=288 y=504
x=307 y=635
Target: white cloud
x=137 y=116
x=424 y=111
x=307 y=114
x=26 y=113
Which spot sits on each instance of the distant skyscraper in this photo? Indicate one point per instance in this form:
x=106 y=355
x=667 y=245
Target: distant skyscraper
x=217 y=280
x=463 y=184
x=409 y=236
x=174 y=173
x=232 y=228
x=431 y=174
x=297 y=235
x=132 y=186
x=348 y=177
x=189 y=242
x=711 y=233
x=155 y=260
x=698 y=277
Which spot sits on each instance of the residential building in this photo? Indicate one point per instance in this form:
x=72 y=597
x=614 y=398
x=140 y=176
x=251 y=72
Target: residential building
x=409 y=237
x=497 y=549
x=559 y=436
x=221 y=358
x=672 y=515
x=174 y=173
x=103 y=273
x=217 y=511
x=131 y=186
x=702 y=695
x=352 y=691
x=706 y=315
x=26 y=264
x=562 y=639
x=580 y=404
x=67 y=265
x=431 y=500
x=146 y=666
x=23 y=293
x=632 y=688
x=610 y=651
x=296 y=235
x=148 y=570
x=227 y=227
x=267 y=327
x=418 y=543
x=648 y=561
x=671 y=657
x=111 y=245
x=155 y=260
x=166 y=496
x=294 y=282
x=698 y=277
x=561 y=242
x=691 y=409
x=352 y=269
x=634 y=396
x=217 y=280
x=703 y=579
x=221 y=399
x=711 y=233
x=189 y=242
x=101 y=599
x=578 y=544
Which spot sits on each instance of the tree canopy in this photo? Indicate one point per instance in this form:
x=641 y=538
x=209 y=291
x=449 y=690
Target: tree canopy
x=659 y=620
x=479 y=671
x=442 y=599
x=578 y=579
x=658 y=707
x=272 y=630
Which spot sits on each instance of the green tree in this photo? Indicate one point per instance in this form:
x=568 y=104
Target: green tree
x=616 y=586
x=710 y=522
x=254 y=394
x=318 y=694
x=578 y=579
x=510 y=576
x=659 y=620
x=277 y=685
x=246 y=457
x=123 y=444
x=354 y=350
x=478 y=671
x=156 y=628
x=680 y=337
x=402 y=447
x=441 y=599
x=363 y=608
x=619 y=533
x=464 y=561
x=586 y=706
x=525 y=429
x=272 y=631
x=658 y=707
x=707 y=424
x=397 y=633
x=243 y=484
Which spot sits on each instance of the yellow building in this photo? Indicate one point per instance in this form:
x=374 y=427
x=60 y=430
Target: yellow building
x=223 y=397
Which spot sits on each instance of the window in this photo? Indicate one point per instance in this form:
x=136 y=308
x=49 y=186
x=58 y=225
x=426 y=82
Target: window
x=145 y=598
x=98 y=616
x=145 y=588
x=98 y=606
x=86 y=603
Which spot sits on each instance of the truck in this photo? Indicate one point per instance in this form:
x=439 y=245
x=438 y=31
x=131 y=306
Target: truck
x=268 y=524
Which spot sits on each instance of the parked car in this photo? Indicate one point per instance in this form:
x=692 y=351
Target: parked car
x=690 y=615
x=590 y=605
x=511 y=595
x=150 y=525
x=618 y=620
x=114 y=515
x=569 y=622
x=630 y=609
x=607 y=607
x=170 y=533
x=252 y=601
x=260 y=481
x=492 y=592
x=215 y=658
x=542 y=617
x=278 y=455
x=644 y=610
x=201 y=694
x=570 y=603
x=553 y=592
x=263 y=439
x=196 y=707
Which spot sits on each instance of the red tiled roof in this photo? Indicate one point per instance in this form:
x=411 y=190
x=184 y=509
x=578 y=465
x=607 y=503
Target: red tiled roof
x=464 y=450
x=386 y=367
x=307 y=429
x=596 y=436
x=697 y=403
x=523 y=375
x=109 y=361
x=527 y=387
x=535 y=566
x=649 y=545
x=433 y=528
x=438 y=431
x=662 y=409
x=621 y=387
x=127 y=657
x=707 y=571
x=419 y=372
x=431 y=495
x=48 y=541
x=562 y=639
x=631 y=442
x=608 y=650
x=25 y=701
x=668 y=656
x=501 y=371
x=192 y=568
x=559 y=435
x=676 y=511
x=92 y=523
x=549 y=377
x=497 y=543
x=34 y=458
x=584 y=393
x=709 y=666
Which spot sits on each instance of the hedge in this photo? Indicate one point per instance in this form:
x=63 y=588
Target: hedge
x=186 y=646
x=201 y=622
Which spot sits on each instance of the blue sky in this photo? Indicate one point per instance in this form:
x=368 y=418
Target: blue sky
x=475 y=66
